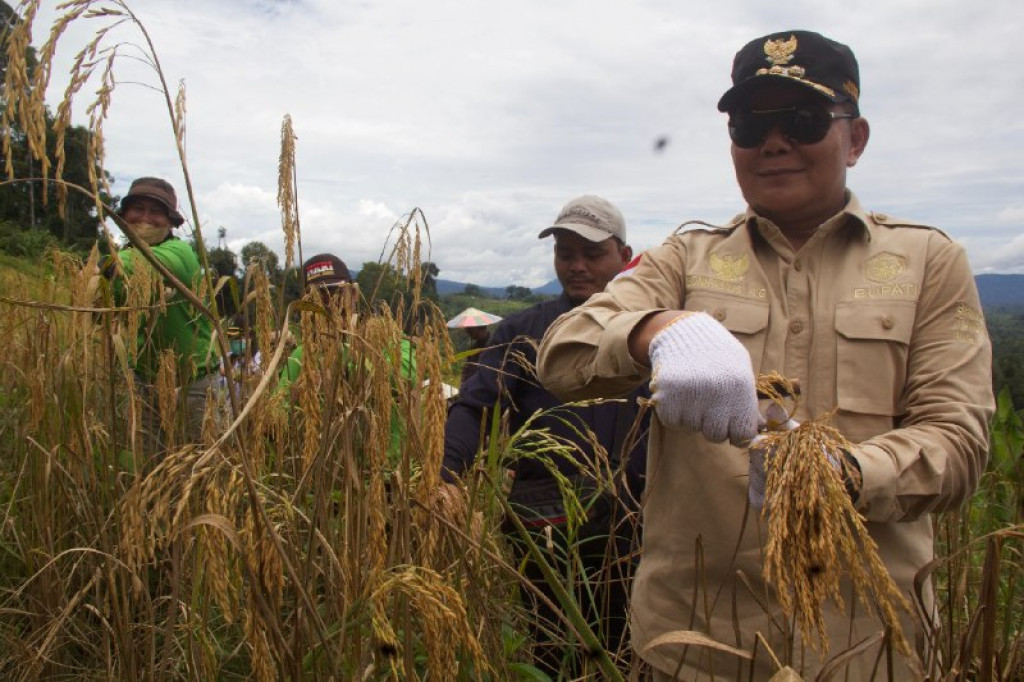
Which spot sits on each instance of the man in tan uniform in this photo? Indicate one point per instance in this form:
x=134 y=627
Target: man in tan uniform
x=877 y=318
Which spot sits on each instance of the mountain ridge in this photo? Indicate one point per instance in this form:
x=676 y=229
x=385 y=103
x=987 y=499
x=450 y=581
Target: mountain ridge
x=995 y=290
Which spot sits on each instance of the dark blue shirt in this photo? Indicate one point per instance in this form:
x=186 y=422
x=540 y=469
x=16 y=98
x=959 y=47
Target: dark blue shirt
x=507 y=376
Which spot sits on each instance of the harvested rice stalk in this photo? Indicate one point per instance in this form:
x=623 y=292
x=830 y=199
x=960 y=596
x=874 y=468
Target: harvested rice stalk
x=815 y=534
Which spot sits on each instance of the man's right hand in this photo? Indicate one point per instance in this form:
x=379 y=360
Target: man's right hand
x=702 y=380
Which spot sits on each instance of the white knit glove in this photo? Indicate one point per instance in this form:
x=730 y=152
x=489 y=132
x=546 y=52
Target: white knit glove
x=702 y=380
x=777 y=420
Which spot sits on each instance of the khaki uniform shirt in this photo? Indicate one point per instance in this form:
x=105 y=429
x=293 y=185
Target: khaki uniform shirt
x=878 y=319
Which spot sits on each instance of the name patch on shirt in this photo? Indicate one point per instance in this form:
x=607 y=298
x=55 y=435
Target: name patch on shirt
x=970 y=324
x=880 y=270
x=738 y=288
x=900 y=291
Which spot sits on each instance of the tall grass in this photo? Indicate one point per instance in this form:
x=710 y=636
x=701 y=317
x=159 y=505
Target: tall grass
x=294 y=541
x=299 y=545
x=298 y=539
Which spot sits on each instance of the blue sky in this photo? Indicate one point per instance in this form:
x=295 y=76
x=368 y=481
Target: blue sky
x=490 y=116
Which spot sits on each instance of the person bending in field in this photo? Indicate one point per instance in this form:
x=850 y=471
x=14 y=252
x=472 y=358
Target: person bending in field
x=590 y=249
x=150 y=211
x=327 y=281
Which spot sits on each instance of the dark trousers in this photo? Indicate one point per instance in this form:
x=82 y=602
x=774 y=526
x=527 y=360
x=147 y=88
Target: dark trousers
x=596 y=567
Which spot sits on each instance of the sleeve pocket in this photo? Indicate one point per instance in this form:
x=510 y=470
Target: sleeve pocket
x=872 y=340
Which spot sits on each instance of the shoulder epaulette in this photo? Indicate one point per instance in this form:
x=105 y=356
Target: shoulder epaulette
x=889 y=221
x=708 y=227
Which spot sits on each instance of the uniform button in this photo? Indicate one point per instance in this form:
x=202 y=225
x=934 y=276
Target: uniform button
x=887 y=322
x=798 y=265
x=719 y=314
x=796 y=326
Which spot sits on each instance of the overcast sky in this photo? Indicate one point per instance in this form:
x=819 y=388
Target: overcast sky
x=490 y=116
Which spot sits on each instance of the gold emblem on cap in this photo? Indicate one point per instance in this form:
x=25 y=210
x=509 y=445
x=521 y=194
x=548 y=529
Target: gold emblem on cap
x=729 y=268
x=884 y=267
x=779 y=53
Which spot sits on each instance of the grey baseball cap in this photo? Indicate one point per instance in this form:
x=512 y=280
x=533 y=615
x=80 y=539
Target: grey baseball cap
x=590 y=217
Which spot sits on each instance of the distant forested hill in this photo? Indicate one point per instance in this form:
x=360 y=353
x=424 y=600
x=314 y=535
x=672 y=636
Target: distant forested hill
x=995 y=290
x=1001 y=290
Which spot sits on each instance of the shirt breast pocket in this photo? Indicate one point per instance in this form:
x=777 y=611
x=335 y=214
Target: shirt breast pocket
x=746 y=319
x=872 y=342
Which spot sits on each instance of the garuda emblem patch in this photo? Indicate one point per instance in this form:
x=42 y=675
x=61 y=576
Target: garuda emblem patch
x=779 y=52
x=884 y=267
x=729 y=268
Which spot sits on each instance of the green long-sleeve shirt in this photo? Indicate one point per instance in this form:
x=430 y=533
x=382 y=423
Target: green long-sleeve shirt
x=407 y=370
x=181 y=327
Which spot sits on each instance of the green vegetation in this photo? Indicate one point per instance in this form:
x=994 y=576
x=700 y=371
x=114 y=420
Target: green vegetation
x=1006 y=327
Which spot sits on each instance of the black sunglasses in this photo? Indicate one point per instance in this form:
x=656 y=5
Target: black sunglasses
x=805 y=124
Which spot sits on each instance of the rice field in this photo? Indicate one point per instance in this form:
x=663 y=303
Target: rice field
x=300 y=539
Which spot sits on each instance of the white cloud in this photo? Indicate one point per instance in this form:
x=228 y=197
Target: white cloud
x=1011 y=215
x=1006 y=257
x=489 y=117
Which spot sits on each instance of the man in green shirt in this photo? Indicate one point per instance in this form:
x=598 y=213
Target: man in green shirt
x=150 y=211
x=329 y=277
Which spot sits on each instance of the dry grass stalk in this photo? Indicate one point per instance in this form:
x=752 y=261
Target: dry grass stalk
x=25 y=92
x=264 y=668
x=403 y=248
x=84 y=328
x=441 y=617
x=287 y=194
x=415 y=265
x=24 y=97
x=167 y=394
x=37 y=374
x=142 y=289
x=430 y=436
x=263 y=325
x=319 y=344
x=815 y=535
x=378 y=372
x=222 y=573
x=81 y=71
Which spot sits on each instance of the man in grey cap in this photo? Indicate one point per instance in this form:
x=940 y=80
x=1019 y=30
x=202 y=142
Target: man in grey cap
x=590 y=250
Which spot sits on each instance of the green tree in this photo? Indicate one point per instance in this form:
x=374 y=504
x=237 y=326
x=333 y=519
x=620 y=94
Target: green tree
x=258 y=252
x=517 y=293
x=472 y=290
x=292 y=283
x=224 y=261
x=1006 y=329
x=430 y=273
x=381 y=283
